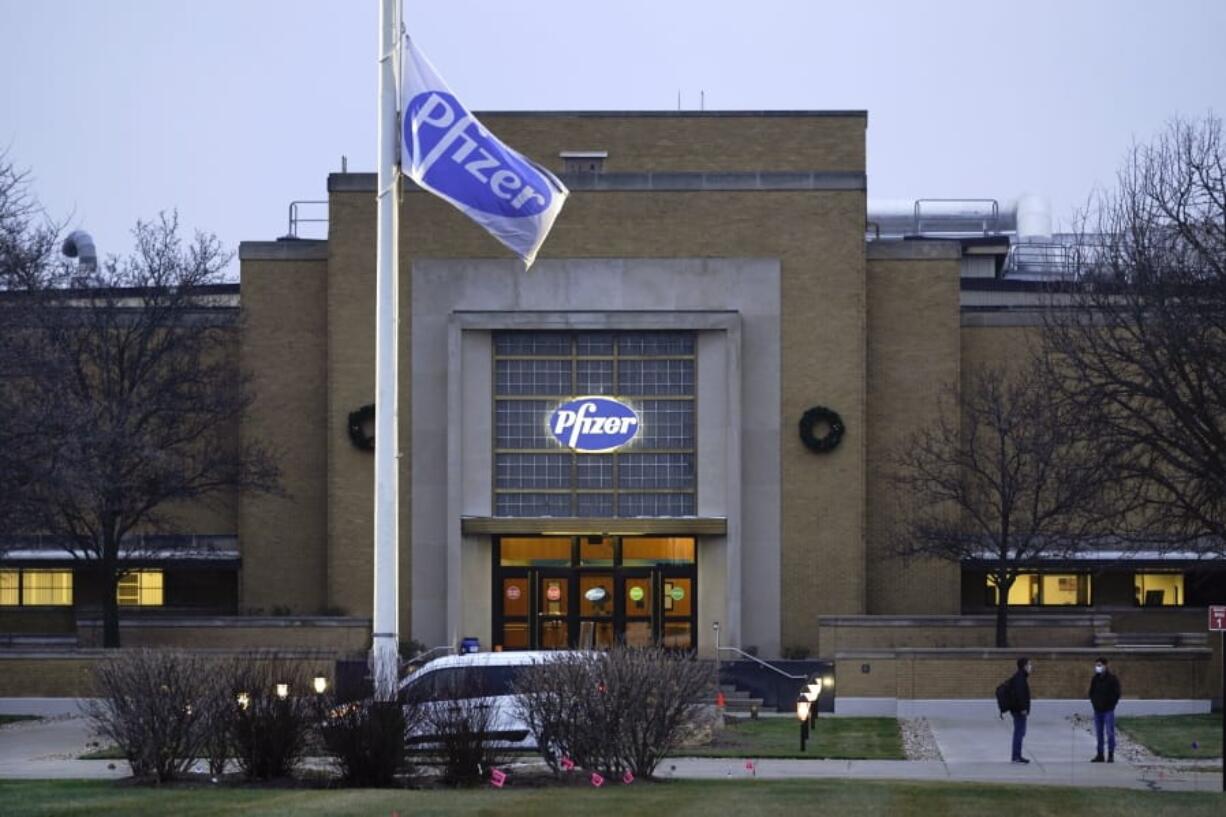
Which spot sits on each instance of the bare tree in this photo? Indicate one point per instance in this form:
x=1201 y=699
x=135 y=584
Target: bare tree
x=1001 y=479
x=1137 y=344
x=122 y=386
x=27 y=243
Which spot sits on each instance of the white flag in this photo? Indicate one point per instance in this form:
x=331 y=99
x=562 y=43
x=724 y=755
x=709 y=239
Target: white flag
x=448 y=152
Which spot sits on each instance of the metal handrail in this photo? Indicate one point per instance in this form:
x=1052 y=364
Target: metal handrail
x=417 y=659
x=766 y=664
x=295 y=219
x=739 y=651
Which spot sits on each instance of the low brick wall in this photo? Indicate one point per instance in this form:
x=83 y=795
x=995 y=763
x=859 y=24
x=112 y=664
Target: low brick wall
x=841 y=633
x=69 y=673
x=335 y=633
x=1145 y=673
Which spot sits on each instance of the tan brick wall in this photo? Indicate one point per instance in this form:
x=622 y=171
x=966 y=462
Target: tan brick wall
x=351 y=384
x=913 y=353
x=979 y=633
x=283 y=538
x=58 y=677
x=1006 y=346
x=690 y=143
x=1057 y=674
x=817 y=236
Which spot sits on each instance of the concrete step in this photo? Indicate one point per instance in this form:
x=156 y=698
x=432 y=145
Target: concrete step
x=39 y=641
x=741 y=704
x=738 y=695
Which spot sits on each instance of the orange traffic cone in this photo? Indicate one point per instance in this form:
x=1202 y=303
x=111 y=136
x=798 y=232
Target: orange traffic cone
x=719 y=699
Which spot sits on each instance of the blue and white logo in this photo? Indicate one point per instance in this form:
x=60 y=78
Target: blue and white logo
x=594 y=425
x=446 y=150
x=459 y=159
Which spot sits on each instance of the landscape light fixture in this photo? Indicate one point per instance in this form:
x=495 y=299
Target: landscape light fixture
x=321 y=684
x=243 y=699
x=802 y=714
x=283 y=691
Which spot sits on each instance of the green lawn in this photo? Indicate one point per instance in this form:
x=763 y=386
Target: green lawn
x=16 y=718
x=839 y=738
x=1179 y=736
x=859 y=798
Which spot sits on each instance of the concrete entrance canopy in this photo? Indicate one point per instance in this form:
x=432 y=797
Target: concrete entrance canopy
x=732 y=304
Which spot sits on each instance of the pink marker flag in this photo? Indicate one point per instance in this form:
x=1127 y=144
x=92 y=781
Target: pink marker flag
x=750 y=767
x=628 y=777
x=497 y=778
x=597 y=780
x=567 y=764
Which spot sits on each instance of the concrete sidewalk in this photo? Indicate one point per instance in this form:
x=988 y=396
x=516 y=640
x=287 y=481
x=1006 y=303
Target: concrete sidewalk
x=49 y=749
x=974 y=749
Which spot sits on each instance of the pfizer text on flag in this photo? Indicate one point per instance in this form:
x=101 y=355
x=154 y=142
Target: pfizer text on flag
x=448 y=152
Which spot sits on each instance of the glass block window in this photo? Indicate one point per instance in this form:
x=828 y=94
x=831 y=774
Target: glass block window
x=657 y=471
x=655 y=505
x=652 y=476
x=532 y=471
x=656 y=377
x=519 y=424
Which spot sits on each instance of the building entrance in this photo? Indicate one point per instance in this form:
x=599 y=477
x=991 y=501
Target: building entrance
x=555 y=592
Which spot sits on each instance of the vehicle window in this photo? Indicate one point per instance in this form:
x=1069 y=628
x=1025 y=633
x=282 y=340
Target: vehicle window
x=457 y=683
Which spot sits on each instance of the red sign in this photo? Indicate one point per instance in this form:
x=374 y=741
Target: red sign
x=1217 y=617
x=513 y=592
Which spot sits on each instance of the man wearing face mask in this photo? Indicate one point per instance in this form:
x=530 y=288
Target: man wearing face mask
x=1019 y=705
x=1104 y=695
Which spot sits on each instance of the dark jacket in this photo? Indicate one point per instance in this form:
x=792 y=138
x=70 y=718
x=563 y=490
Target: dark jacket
x=1104 y=691
x=1019 y=692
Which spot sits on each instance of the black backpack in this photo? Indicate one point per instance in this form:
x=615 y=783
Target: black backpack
x=1004 y=696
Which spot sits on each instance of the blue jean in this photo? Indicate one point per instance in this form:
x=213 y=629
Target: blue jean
x=1019 y=732
x=1105 y=720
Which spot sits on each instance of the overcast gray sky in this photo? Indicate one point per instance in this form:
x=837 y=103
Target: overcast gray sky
x=228 y=109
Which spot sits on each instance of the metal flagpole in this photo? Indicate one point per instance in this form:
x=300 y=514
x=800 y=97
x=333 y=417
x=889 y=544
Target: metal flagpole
x=385 y=652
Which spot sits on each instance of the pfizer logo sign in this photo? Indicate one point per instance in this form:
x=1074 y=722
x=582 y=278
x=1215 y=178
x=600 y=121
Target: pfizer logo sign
x=458 y=158
x=593 y=425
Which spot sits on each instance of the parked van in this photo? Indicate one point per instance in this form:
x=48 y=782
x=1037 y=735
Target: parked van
x=486 y=677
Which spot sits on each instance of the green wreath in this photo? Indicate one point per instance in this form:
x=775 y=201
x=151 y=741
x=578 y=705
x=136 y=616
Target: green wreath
x=809 y=423
x=361 y=433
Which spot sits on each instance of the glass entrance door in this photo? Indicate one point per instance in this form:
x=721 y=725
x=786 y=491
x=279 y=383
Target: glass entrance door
x=593 y=592
x=553 y=610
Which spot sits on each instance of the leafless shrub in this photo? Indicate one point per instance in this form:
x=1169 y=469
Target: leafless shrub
x=149 y=706
x=366 y=738
x=270 y=733
x=459 y=729
x=616 y=711
x=218 y=709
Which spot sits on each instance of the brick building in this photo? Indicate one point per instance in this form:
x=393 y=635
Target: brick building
x=713 y=272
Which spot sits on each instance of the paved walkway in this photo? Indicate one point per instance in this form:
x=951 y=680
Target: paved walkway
x=977 y=749
x=49 y=749
x=974 y=750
